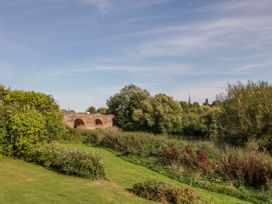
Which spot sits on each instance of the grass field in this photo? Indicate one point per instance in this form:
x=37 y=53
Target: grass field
x=23 y=182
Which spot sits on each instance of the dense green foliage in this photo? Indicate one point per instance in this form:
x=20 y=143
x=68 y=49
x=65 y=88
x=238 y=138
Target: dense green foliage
x=136 y=109
x=26 y=119
x=123 y=105
x=200 y=120
x=242 y=114
x=159 y=114
x=102 y=110
x=68 y=161
x=164 y=192
x=28 y=122
x=25 y=130
x=247 y=114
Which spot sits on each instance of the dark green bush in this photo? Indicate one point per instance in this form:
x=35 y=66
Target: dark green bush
x=68 y=161
x=163 y=192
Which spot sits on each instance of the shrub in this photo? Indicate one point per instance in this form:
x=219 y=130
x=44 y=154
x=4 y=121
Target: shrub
x=163 y=192
x=170 y=155
x=250 y=169
x=23 y=131
x=188 y=157
x=109 y=141
x=20 y=101
x=68 y=161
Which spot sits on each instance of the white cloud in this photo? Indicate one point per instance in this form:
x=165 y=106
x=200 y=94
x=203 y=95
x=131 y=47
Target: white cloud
x=256 y=66
x=118 y=5
x=247 y=6
x=101 y=5
x=247 y=31
x=134 y=70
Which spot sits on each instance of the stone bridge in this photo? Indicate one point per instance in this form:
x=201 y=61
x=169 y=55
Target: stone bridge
x=88 y=121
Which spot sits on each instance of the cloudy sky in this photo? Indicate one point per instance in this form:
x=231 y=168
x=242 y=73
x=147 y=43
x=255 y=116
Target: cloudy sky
x=83 y=51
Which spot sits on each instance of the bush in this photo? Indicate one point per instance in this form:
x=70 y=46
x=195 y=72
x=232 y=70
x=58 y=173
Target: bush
x=68 y=161
x=163 y=192
x=196 y=159
x=248 y=168
x=23 y=131
x=20 y=101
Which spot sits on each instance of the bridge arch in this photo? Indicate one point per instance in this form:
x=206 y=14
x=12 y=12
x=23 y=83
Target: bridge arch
x=79 y=123
x=98 y=122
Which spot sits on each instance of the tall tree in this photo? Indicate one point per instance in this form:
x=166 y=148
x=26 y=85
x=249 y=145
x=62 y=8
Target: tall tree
x=124 y=103
x=247 y=114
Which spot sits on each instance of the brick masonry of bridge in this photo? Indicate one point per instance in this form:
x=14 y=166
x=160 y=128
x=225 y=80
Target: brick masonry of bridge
x=88 y=121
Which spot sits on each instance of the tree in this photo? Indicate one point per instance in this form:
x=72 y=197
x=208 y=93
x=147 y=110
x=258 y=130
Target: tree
x=124 y=103
x=167 y=114
x=246 y=114
x=102 y=110
x=159 y=114
x=68 y=111
x=91 y=110
x=206 y=103
x=3 y=92
x=199 y=120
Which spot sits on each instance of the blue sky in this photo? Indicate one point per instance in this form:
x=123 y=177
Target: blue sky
x=84 y=51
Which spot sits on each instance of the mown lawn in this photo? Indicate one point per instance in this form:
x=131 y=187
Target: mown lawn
x=22 y=182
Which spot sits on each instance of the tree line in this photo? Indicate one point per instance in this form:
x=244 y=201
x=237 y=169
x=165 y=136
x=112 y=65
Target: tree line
x=240 y=115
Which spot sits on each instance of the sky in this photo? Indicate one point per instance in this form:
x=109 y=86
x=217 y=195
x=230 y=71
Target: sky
x=83 y=51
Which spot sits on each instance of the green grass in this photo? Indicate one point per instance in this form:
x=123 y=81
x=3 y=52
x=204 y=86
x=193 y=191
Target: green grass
x=22 y=182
